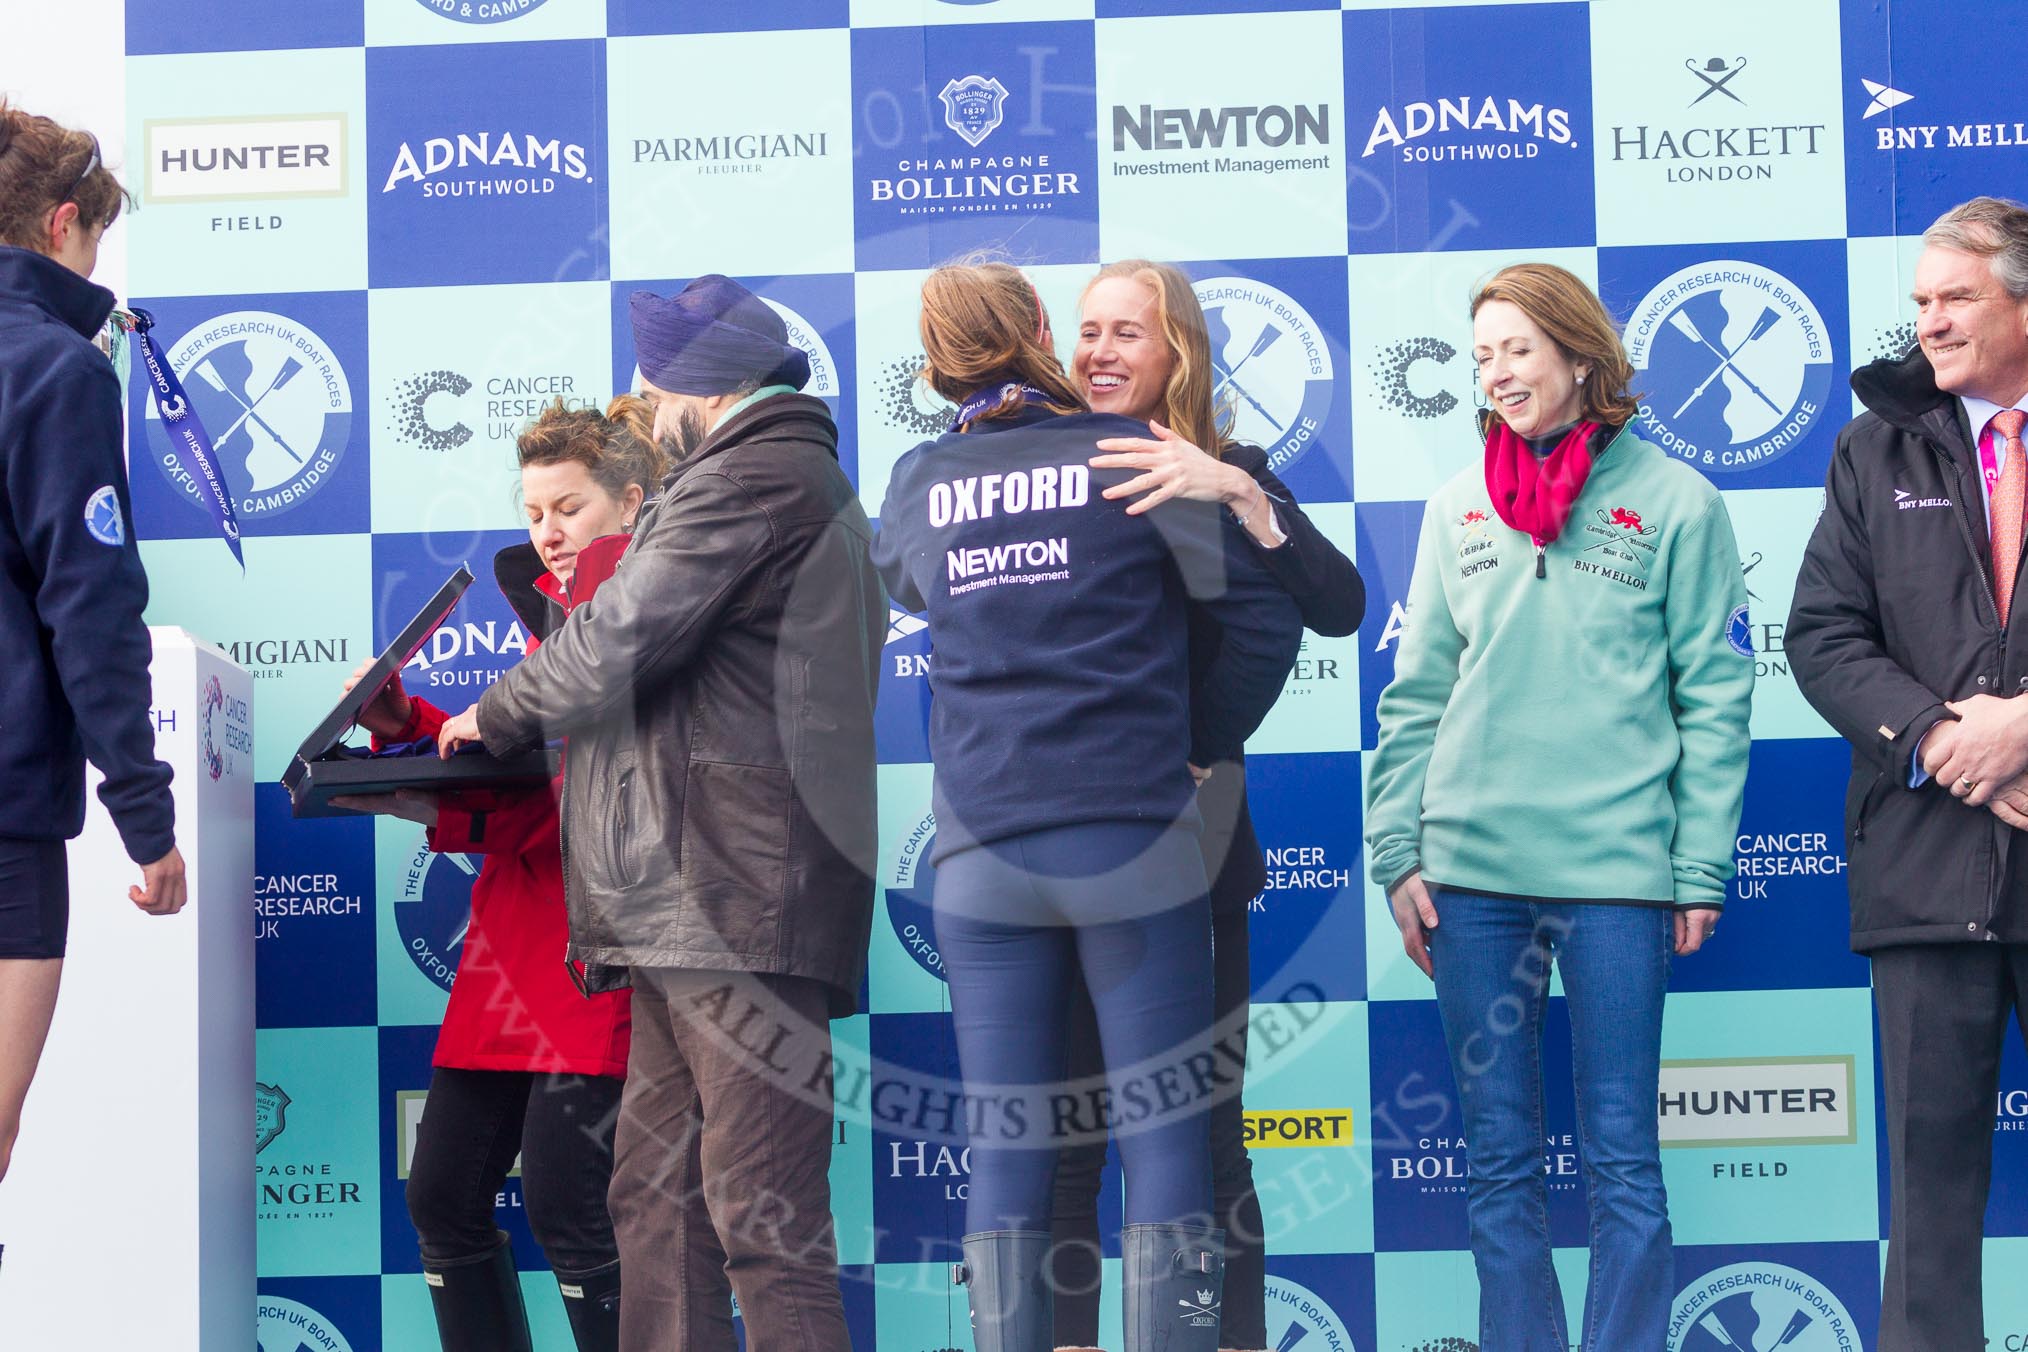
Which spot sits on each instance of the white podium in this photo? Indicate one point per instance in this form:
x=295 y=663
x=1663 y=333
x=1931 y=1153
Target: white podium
x=128 y=1211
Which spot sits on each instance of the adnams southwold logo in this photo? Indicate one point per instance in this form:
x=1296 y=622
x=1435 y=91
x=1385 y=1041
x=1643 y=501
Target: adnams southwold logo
x=1271 y=138
x=487 y=163
x=1761 y=1306
x=470 y=655
x=1935 y=135
x=276 y=401
x=244 y=159
x=1270 y=362
x=1480 y=126
x=1735 y=362
x=289 y=1326
x=1717 y=140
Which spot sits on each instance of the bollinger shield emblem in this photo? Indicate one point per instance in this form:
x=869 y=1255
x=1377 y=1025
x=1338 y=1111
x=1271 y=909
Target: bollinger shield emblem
x=972 y=106
x=271 y=1108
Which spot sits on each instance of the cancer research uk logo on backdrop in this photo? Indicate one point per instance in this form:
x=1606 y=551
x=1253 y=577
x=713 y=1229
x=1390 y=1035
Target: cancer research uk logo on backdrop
x=1763 y=1303
x=1458 y=136
x=274 y=389
x=974 y=136
x=485 y=163
x=1735 y=359
x=1277 y=352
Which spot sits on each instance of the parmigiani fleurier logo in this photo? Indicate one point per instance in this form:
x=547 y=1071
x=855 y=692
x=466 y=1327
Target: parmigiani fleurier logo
x=1757 y=1101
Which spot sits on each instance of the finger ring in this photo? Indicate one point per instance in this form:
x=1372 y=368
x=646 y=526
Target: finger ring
x=1969 y=783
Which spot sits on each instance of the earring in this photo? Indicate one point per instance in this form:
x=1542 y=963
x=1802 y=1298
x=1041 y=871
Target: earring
x=1580 y=380
x=627 y=526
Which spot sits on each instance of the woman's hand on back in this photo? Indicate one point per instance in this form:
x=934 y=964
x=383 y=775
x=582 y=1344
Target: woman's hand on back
x=388 y=712
x=1414 y=912
x=1172 y=467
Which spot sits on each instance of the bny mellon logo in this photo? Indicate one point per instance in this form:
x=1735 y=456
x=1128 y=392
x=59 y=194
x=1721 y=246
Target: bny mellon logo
x=1883 y=96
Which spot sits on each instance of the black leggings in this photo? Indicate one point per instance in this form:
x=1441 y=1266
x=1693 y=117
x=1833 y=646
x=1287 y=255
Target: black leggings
x=1075 y=1267
x=476 y=1122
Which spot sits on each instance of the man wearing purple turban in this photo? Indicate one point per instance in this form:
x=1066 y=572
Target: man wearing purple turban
x=718 y=825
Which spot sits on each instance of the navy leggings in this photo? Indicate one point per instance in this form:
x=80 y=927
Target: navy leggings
x=1015 y=920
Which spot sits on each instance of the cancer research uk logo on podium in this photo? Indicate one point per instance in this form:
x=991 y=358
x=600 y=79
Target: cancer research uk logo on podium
x=1735 y=363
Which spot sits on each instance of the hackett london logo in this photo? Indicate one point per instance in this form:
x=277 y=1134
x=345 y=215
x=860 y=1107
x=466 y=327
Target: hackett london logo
x=1714 y=151
x=244 y=158
x=488 y=164
x=1470 y=127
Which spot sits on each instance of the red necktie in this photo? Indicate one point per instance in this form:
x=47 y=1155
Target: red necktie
x=2008 y=498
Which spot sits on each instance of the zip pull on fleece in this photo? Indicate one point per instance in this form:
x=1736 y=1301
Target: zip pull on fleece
x=1541 y=565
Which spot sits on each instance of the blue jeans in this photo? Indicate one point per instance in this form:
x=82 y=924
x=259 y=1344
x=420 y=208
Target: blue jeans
x=1492 y=958
x=1015 y=921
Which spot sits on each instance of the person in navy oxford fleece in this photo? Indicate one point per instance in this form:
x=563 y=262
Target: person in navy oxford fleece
x=1064 y=735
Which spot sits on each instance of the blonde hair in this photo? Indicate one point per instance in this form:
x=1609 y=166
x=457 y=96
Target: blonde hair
x=617 y=448
x=1188 y=407
x=1562 y=306
x=983 y=322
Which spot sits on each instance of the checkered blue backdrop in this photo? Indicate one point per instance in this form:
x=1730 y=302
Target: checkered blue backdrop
x=380 y=234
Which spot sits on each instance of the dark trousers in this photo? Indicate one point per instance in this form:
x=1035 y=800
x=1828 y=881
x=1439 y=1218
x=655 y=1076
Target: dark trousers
x=1943 y=1012
x=1016 y=920
x=475 y=1123
x=1235 y=1206
x=721 y=1184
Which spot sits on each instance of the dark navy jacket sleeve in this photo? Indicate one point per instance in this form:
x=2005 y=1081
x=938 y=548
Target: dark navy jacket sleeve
x=891 y=553
x=90 y=594
x=1262 y=628
x=1324 y=584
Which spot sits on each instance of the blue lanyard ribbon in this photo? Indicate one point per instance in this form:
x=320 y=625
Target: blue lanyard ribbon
x=189 y=444
x=985 y=401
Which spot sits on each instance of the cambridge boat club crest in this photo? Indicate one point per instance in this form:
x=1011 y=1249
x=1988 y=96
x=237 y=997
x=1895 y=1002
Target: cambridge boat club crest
x=972 y=106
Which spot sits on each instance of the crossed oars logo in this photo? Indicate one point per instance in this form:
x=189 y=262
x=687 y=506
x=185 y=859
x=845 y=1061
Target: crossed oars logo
x=1714 y=1326
x=1229 y=375
x=1684 y=324
x=290 y=366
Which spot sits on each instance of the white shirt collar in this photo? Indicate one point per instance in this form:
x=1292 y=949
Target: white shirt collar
x=1979 y=412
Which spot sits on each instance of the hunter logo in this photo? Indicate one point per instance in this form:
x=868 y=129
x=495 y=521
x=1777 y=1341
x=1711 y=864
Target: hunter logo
x=972 y=106
x=271 y=1115
x=1716 y=75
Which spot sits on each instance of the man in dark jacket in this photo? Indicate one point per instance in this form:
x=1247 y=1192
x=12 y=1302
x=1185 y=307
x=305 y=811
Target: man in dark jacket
x=718 y=825
x=1910 y=634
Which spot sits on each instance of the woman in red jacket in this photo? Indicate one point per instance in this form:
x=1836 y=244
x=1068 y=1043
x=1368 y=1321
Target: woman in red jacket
x=525 y=1064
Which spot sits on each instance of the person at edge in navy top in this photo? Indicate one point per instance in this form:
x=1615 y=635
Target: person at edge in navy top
x=1064 y=734
x=525 y=1064
x=1144 y=351
x=71 y=586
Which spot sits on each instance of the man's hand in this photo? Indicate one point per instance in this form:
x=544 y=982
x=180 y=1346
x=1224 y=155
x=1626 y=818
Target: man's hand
x=2010 y=803
x=1693 y=928
x=457 y=731
x=1982 y=751
x=1414 y=912
x=162 y=890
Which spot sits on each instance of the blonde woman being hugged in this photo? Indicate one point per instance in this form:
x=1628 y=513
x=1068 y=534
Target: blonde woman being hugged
x=1561 y=762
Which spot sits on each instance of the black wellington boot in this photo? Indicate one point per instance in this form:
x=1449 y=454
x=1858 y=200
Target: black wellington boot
x=1174 y=1279
x=1013 y=1307
x=592 y=1300
x=478 y=1301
